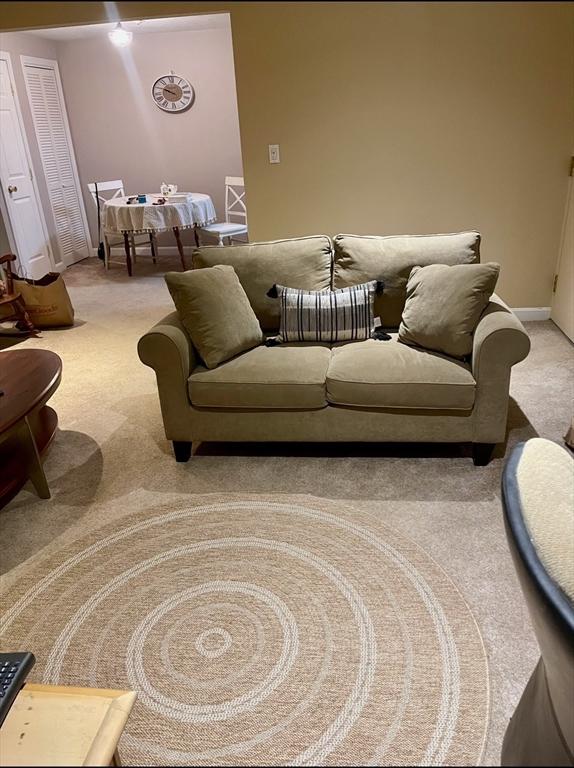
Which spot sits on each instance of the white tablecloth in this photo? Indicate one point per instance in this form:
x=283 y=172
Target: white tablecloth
x=196 y=210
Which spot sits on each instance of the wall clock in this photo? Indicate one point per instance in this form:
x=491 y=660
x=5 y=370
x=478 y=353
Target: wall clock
x=173 y=93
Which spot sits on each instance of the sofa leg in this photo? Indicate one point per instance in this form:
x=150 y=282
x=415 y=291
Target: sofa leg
x=182 y=450
x=482 y=453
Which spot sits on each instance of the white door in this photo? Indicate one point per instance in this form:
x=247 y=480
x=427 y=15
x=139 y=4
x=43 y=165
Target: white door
x=563 y=298
x=55 y=144
x=19 y=192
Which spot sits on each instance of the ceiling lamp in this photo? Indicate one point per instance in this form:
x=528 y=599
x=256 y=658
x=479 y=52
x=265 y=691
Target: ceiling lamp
x=120 y=36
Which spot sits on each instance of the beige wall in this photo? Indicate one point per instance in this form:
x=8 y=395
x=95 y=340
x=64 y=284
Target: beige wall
x=28 y=45
x=399 y=117
x=118 y=131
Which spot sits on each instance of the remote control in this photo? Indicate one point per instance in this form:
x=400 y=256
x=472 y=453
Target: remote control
x=14 y=669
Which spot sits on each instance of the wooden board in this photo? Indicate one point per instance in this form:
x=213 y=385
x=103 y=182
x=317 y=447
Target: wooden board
x=59 y=725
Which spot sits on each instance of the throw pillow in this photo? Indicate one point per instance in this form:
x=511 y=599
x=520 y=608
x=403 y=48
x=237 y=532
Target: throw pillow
x=215 y=311
x=327 y=316
x=444 y=304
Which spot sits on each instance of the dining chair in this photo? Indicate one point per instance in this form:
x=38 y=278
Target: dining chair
x=108 y=190
x=235 y=208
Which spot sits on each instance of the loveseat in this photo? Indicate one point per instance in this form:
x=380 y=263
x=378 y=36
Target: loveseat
x=361 y=391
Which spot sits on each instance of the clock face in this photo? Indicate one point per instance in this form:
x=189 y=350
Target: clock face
x=173 y=93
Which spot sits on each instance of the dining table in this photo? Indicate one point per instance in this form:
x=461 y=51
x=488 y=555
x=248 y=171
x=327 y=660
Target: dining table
x=184 y=210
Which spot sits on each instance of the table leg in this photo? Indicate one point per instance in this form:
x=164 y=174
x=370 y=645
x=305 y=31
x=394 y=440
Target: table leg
x=127 y=245
x=33 y=462
x=179 y=247
x=153 y=248
x=196 y=235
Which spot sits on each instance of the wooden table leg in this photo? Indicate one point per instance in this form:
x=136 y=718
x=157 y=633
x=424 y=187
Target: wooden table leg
x=153 y=248
x=33 y=461
x=127 y=245
x=179 y=247
x=196 y=235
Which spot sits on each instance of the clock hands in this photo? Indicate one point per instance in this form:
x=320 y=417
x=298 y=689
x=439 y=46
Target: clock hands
x=169 y=90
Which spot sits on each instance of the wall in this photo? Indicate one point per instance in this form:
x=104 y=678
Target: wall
x=29 y=45
x=413 y=117
x=398 y=117
x=117 y=130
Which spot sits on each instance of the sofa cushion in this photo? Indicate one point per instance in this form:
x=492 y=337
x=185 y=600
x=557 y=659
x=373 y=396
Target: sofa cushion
x=303 y=262
x=359 y=258
x=215 y=311
x=444 y=305
x=387 y=374
x=289 y=376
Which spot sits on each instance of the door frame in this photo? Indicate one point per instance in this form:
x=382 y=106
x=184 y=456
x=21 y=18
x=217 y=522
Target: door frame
x=53 y=65
x=5 y=56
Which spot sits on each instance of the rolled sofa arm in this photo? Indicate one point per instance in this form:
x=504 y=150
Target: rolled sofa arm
x=167 y=349
x=500 y=341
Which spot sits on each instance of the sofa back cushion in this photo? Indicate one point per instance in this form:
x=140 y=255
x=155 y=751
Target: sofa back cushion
x=302 y=262
x=359 y=258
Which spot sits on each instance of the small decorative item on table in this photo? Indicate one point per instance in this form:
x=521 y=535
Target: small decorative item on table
x=142 y=198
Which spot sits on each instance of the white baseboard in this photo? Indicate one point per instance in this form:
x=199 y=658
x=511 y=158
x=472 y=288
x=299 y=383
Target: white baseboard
x=532 y=313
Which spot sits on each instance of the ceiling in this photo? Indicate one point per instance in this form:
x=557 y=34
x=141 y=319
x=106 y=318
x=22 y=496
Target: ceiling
x=175 y=24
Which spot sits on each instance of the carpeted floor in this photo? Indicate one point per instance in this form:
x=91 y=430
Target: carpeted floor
x=111 y=459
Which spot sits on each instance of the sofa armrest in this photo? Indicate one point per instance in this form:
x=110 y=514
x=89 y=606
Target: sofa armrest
x=500 y=341
x=499 y=333
x=167 y=349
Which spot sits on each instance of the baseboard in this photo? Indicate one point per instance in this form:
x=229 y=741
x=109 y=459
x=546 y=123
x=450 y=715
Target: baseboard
x=532 y=313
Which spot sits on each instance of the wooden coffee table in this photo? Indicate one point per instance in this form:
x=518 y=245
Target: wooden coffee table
x=28 y=378
x=60 y=725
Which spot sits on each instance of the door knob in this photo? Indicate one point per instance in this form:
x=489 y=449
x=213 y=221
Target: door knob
x=12 y=189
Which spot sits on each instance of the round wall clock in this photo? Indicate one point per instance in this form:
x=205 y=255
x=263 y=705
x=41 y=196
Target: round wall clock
x=173 y=93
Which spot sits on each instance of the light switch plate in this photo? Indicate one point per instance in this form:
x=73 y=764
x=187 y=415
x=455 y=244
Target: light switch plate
x=274 y=153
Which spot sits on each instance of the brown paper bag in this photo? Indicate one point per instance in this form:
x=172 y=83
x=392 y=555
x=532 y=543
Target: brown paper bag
x=47 y=300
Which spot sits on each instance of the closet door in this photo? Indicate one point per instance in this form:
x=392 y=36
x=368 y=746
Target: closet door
x=57 y=154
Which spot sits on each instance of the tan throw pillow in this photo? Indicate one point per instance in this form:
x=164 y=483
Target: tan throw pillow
x=215 y=311
x=444 y=304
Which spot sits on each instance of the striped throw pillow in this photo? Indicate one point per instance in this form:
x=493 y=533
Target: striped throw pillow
x=328 y=316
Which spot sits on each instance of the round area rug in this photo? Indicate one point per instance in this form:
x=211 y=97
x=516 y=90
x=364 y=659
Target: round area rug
x=259 y=631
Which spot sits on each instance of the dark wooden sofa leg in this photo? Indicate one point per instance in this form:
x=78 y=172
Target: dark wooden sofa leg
x=482 y=453
x=182 y=450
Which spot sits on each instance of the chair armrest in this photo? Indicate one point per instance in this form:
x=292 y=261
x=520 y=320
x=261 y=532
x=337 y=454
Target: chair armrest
x=167 y=349
x=500 y=341
x=499 y=336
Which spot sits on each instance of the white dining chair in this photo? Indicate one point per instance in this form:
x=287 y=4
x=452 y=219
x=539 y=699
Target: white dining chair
x=108 y=190
x=235 y=208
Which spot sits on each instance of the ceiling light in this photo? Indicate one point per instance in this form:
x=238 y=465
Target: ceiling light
x=120 y=36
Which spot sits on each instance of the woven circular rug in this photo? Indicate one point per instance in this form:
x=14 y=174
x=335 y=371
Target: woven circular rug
x=259 y=631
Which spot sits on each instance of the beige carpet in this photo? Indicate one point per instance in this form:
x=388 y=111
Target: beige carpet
x=111 y=459
x=265 y=630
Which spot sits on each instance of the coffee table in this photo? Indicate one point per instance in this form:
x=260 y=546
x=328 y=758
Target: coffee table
x=61 y=725
x=28 y=378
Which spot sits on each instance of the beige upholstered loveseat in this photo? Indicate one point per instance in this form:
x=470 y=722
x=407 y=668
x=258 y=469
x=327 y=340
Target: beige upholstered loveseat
x=362 y=391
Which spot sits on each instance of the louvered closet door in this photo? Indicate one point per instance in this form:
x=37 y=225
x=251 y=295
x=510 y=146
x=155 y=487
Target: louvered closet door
x=56 y=153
